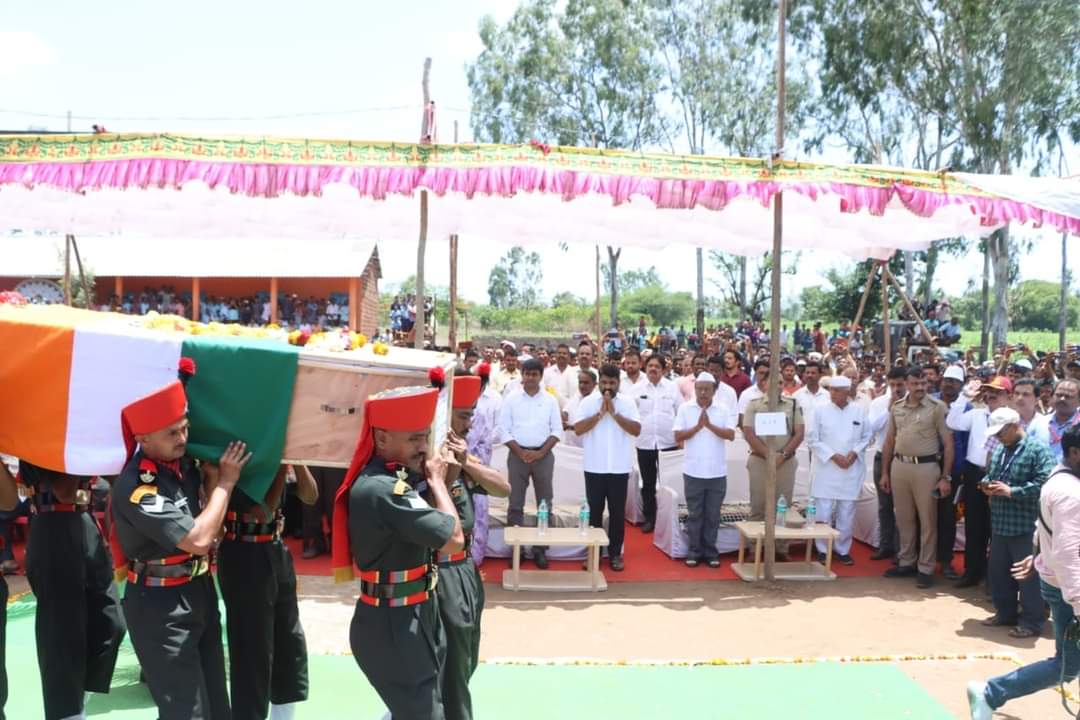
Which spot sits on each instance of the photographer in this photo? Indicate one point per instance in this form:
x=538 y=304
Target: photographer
x=1057 y=561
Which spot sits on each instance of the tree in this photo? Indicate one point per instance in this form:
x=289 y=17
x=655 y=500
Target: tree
x=515 y=280
x=630 y=280
x=580 y=75
x=655 y=302
x=997 y=80
x=749 y=299
x=567 y=298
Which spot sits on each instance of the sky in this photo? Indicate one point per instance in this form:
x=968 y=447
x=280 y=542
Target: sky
x=322 y=68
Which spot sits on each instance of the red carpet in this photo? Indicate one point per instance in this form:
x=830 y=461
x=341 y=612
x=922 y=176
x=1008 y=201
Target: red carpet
x=644 y=563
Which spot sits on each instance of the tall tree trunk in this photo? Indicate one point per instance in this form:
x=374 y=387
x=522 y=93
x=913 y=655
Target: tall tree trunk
x=742 y=287
x=999 y=257
x=928 y=284
x=985 y=314
x=699 y=323
x=613 y=279
x=1063 y=318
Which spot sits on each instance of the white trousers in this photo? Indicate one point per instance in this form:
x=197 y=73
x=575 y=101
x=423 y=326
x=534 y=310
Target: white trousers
x=844 y=511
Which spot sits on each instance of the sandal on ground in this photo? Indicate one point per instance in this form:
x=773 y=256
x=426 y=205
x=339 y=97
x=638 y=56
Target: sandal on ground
x=691 y=562
x=1022 y=632
x=714 y=563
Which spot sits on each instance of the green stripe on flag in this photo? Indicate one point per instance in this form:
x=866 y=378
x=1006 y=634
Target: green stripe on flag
x=242 y=390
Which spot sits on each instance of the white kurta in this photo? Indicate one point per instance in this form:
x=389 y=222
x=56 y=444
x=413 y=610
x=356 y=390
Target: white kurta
x=838 y=431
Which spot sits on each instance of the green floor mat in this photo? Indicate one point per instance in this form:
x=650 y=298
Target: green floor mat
x=541 y=692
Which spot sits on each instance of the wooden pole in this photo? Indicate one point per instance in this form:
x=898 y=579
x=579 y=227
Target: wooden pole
x=1064 y=316
x=865 y=296
x=886 y=337
x=195 y=289
x=774 y=331
x=67 y=270
x=274 y=300
x=420 y=327
x=908 y=305
x=82 y=274
x=118 y=288
x=453 y=292
x=354 y=304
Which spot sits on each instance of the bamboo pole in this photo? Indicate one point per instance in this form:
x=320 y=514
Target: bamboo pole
x=596 y=312
x=420 y=326
x=865 y=296
x=274 y=300
x=909 y=306
x=886 y=337
x=774 y=331
x=453 y=292
x=67 y=270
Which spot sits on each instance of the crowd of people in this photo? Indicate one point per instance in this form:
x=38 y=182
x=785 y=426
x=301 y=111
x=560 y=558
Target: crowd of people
x=254 y=310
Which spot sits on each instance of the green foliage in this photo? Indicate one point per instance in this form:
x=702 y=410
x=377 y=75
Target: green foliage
x=566 y=298
x=630 y=280
x=1035 y=305
x=515 y=280
x=758 y=279
x=659 y=306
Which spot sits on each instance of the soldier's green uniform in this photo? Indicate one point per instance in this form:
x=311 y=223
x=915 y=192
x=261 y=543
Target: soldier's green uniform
x=170 y=602
x=267 y=650
x=461 y=602
x=396 y=634
x=77 y=625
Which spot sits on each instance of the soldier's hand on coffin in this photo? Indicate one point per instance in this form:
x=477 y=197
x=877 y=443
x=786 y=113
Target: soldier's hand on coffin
x=231 y=463
x=436 y=467
x=210 y=475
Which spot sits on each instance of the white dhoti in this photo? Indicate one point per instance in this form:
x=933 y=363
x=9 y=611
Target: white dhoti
x=840 y=514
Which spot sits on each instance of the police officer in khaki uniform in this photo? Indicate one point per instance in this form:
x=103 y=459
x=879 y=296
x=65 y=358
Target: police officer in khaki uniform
x=917 y=446
x=784 y=445
x=390 y=516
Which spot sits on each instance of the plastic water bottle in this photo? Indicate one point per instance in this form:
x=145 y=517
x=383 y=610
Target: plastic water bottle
x=542 y=518
x=781 y=511
x=811 y=513
x=583 y=520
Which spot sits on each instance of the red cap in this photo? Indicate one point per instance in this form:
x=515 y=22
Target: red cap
x=1000 y=382
x=153 y=412
x=408 y=409
x=466 y=391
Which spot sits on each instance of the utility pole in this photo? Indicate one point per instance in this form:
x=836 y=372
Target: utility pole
x=453 y=277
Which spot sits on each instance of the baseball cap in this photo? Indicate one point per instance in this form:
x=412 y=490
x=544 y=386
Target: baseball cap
x=1000 y=382
x=1000 y=418
x=954 y=372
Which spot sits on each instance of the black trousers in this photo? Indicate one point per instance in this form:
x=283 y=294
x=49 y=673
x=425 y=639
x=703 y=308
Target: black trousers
x=268 y=660
x=78 y=624
x=649 y=466
x=328 y=481
x=976 y=522
x=888 y=535
x=176 y=632
x=609 y=489
x=946 y=523
x=461 y=604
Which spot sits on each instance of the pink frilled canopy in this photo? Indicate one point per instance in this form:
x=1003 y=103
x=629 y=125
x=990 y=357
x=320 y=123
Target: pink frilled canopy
x=182 y=186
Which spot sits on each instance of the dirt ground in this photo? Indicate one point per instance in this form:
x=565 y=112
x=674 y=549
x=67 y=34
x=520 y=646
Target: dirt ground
x=734 y=620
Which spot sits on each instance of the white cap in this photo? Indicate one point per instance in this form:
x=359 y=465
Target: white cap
x=1000 y=418
x=1024 y=363
x=705 y=377
x=954 y=372
x=508 y=344
x=814 y=357
x=840 y=382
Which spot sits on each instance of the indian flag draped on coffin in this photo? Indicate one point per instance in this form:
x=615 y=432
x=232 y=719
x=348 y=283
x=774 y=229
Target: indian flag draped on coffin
x=65 y=375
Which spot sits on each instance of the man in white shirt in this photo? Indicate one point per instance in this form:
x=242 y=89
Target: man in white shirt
x=508 y=373
x=586 y=387
x=554 y=374
x=530 y=422
x=657 y=400
x=608 y=422
x=839 y=433
x=888 y=535
x=990 y=396
x=811 y=394
x=584 y=362
x=704 y=428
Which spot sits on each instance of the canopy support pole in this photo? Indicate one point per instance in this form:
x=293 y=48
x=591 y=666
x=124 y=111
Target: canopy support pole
x=420 y=326
x=118 y=288
x=774 y=330
x=67 y=269
x=453 y=289
x=596 y=311
x=908 y=305
x=195 y=289
x=865 y=296
x=274 y=300
x=886 y=337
